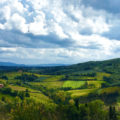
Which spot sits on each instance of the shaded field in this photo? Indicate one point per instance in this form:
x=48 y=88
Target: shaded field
x=57 y=84
x=109 y=90
x=81 y=78
x=54 y=78
x=96 y=84
x=7 y=97
x=100 y=75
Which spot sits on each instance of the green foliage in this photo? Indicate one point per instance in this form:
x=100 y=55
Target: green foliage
x=27 y=94
x=104 y=85
x=4 y=77
x=49 y=85
x=90 y=111
x=26 y=77
x=74 y=92
x=14 y=93
x=29 y=110
x=112 y=113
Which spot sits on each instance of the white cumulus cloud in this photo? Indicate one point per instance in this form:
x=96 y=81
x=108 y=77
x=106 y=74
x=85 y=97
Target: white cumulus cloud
x=65 y=29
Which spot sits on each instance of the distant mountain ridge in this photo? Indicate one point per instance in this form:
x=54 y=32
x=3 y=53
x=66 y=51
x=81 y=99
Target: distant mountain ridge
x=108 y=66
x=47 y=65
x=10 y=64
x=90 y=65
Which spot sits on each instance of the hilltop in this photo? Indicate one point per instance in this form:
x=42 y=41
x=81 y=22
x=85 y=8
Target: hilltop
x=109 y=66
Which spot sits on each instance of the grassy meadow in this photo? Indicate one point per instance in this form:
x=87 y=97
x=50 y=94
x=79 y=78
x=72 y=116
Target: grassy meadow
x=73 y=84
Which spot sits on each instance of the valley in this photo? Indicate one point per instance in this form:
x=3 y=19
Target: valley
x=70 y=86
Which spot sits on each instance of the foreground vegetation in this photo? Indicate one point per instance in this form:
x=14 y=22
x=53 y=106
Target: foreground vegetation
x=88 y=91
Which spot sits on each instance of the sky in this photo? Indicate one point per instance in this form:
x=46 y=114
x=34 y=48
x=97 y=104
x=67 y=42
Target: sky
x=59 y=31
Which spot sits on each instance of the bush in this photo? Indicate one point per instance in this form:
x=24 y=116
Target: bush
x=4 y=77
x=27 y=78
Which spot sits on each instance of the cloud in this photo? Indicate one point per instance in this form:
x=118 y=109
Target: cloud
x=38 y=27
x=79 y=29
x=54 y=55
x=111 y=6
x=18 y=39
x=48 y=15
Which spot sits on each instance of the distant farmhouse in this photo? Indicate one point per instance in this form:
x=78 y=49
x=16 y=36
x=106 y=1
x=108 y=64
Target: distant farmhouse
x=1 y=85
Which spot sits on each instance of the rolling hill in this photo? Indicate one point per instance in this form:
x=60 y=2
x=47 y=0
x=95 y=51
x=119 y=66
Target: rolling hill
x=109 y=66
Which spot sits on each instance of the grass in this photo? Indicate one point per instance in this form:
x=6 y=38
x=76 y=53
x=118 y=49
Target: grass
x=2 y=81
x=82 y=92
x=12 y=75
x=34 y=94
x=53 y=81
x=97 y=84
x=7 y=97
x=109 y=90
x=100 y=75
x=39 y=97
x=78 y=84
x=54 y=78
x=19 y=88
x=81 y=78
x=73 y=84
x=57 y=84
x=42 y=78
x=4 y=116
x=46 y=78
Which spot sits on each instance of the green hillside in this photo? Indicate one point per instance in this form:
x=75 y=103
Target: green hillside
x=55 y=90
x=109 y=66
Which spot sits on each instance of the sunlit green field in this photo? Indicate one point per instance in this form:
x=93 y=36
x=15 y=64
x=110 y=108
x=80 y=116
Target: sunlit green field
x=34 y=94
x=39 y=97
x=82 y=92
x=78 y=84
x=73 y=84
x=54 y=82
x=19 y=88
